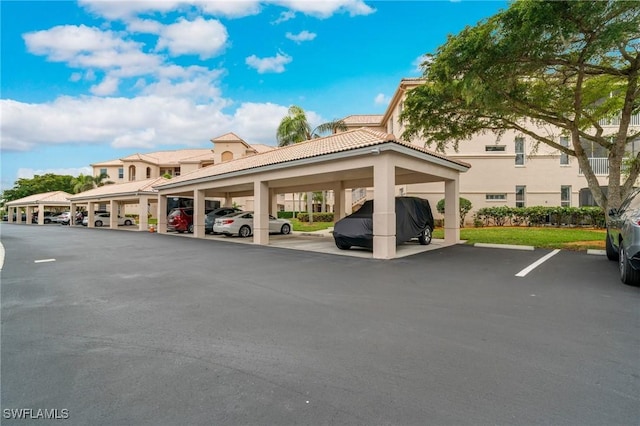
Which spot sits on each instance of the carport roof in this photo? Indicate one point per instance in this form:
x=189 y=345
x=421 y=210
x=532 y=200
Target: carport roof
x=47 y=198
x=119 y=189
x=341 y=142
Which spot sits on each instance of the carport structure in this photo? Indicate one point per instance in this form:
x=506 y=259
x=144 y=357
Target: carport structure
x=353 y=159
x=119 y=195
x=46 y=200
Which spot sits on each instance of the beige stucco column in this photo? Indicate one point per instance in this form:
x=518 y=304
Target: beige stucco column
x=10 y=212
x=228 y=200
x=384 y=209
x=451 y=211
x=113 y=215
x=339 y=201
x=29 y=210
x=91 y=217
x=40 y=214
x=143 y=209
x=72 y=214
x=162 y=213
x=261 y=213
x=273 y=203
x=198 y=213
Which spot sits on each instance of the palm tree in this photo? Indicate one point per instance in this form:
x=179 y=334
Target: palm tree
x=295 y=128
x=86 y=182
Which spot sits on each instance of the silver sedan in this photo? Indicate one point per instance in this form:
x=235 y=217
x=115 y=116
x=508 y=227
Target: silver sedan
x=241 y=223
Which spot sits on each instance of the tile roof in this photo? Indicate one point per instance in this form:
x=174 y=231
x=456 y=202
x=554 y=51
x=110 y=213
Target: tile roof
x=55 y=197
x=133 y=187
x=341 y=142
x=168 y=157
x=363 y=119
x=259 y=147
x=228 y=137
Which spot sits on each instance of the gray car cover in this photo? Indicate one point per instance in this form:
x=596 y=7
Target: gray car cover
x=413 y=216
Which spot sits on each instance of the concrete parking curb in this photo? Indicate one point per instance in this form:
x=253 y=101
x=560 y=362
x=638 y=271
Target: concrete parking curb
x=504 y=246
x=597 y=252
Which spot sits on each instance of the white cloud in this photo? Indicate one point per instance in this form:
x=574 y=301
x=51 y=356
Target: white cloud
x=381 y=99
x=273 y=64
x=326 y=8
x=206 y=38
x=284 y=17
x=85 y=47
x=302 y=36
x=75 y=77
x=26 y=173
x=126 y=10
x=107 y=87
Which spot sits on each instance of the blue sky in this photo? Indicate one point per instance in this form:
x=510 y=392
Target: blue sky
x=95 y=80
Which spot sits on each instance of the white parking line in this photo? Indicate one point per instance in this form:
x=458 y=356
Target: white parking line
x=44 y=260
x=537 y=263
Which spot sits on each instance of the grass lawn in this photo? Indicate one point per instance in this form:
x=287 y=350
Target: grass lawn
x=544 y=237
x=309 y=227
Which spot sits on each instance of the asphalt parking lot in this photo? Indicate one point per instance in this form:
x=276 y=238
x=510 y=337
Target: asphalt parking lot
x=141 y=328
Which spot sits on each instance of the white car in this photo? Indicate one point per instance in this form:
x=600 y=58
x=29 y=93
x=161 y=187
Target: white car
x=101 y=219
x=241 y=223
x=62 y=218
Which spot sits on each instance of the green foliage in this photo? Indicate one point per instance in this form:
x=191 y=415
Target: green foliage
x=285 y=215
x=465 y=208
x=37 y=185
x=538 y=68
x=539 y=216
x=86 y=182
x=317 y=217
x=295 y=128
x=543 y=237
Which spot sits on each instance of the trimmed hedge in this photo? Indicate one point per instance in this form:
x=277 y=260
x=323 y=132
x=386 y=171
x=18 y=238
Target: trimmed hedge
x=540 y=216
x=285 y=215
x=317 y=217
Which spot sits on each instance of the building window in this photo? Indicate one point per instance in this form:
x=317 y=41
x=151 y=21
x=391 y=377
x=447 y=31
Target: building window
x=519 y=151
x=496 y=197
x=121 y=173
x=132 y=173
x=176 y=171
x=521 y=191
x=227 y=155
x=565 y=196
x=148 y=172
x=564 y=158
x=391 y=125
x=495 y=148
x=103 y=172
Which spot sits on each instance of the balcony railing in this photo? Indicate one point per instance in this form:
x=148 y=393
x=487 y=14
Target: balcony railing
x=635 y=121
x=600 y=166
x=358 y=195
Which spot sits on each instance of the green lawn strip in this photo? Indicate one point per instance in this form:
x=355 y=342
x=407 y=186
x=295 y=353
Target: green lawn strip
x=309 y=227
x=543 y=237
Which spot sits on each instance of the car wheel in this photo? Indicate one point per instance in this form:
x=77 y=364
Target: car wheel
x=286 y=229
x=47 y=221
x=628 y=275
x=98 y=223
x=342 y=246
x=425 y=238
x=190 y=229
x=245 y=231
x=612 y=254
x=127 y=222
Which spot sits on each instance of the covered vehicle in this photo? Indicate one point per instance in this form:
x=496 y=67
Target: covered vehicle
x=413 y=220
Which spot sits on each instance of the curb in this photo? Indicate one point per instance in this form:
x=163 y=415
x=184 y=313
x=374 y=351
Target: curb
x=597 y=252
x=505 y=246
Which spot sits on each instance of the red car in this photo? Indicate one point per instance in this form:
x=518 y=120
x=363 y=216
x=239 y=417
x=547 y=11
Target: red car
x=180 y=220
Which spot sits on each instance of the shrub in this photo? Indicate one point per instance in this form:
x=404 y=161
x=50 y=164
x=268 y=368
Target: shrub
x=465 y=208
x=317 y=217
x=540 y=215
x=285 y=215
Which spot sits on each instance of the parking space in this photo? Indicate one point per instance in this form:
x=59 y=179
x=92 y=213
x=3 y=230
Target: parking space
x=145 y=326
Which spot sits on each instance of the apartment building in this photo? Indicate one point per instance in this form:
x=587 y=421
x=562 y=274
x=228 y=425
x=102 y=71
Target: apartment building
x=510 y=170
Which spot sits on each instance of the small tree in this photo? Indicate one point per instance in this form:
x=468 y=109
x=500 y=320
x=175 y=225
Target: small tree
x=465 y=208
